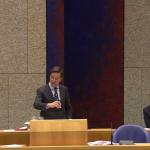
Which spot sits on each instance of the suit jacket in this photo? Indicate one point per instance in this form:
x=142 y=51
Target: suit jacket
x=44 y=96
x=146 y=112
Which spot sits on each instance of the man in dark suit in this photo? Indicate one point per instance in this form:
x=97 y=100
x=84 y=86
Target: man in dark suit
x=146 y=112
x=53 y=98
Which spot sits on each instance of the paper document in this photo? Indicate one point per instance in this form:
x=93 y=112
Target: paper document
x=12 y=145
x=9 y=130
x=99 y=143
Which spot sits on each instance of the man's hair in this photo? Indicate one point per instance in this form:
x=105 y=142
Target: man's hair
x=56 y=69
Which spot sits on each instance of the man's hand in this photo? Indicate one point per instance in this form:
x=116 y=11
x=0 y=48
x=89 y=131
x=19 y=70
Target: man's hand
x=55 y=104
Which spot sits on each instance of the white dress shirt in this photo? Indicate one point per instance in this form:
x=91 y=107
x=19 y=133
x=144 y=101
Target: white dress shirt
x=53 y=91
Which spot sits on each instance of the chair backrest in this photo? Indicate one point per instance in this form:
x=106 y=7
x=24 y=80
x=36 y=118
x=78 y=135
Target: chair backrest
x=146 y=112
x=132 y=132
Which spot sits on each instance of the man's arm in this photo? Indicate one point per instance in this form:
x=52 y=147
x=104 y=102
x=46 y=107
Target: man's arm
x=38 y=103
x=68 y=106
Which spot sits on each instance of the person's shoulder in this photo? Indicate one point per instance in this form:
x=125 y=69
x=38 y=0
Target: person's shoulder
x=63 y=86
x=43 y=87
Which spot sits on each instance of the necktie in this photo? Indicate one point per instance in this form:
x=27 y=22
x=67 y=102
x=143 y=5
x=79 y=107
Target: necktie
x=56 y=93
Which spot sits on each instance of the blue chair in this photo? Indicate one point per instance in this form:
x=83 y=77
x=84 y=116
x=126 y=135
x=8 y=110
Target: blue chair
x=132 y=132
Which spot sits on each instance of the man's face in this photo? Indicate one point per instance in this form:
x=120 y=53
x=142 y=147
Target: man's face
x=55 y=79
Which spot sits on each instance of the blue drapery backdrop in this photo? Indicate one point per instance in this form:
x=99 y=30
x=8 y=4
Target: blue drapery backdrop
x=86 y=37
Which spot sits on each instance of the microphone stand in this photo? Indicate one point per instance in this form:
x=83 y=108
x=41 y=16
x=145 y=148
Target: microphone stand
x=111 y=138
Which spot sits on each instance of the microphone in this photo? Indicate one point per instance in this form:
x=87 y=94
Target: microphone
x=85 y=114
x=111 y=135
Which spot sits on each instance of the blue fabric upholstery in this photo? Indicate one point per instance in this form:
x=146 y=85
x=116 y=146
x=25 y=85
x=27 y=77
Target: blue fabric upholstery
x=132 y=132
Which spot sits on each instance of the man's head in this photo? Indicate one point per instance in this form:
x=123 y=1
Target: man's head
x=56 y=75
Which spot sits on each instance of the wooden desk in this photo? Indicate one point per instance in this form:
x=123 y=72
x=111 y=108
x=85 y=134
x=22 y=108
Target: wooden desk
x=14 y=137
x=58 y=132
x=100 y=134
x=85 y=147
x=22 y=137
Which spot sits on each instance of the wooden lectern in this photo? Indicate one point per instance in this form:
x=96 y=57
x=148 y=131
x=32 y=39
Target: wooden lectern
x=58 y=132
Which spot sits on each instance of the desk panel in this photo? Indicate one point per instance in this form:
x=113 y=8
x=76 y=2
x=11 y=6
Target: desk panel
x=15 y=137
x=100 y=134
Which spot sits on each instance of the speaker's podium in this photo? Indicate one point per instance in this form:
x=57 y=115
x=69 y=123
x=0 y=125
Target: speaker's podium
x=58 y=132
